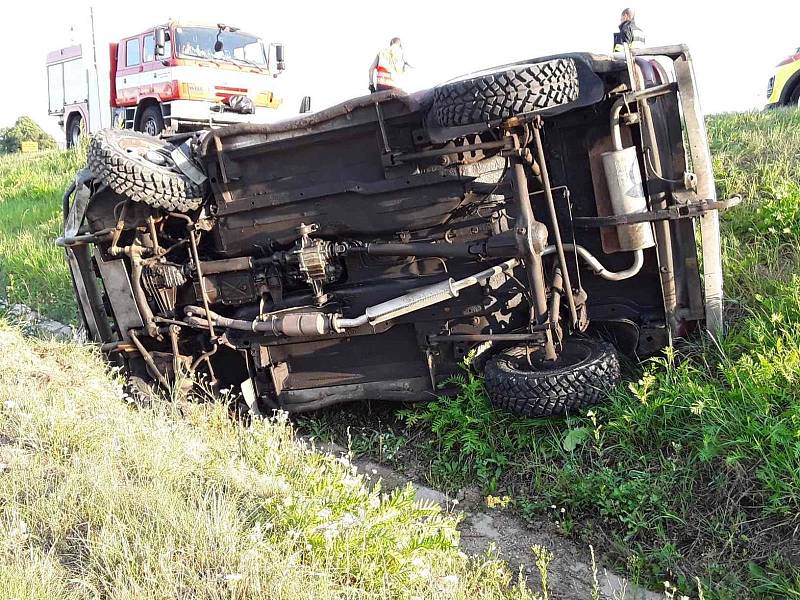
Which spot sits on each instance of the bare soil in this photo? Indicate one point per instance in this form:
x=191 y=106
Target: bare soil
x=570 y=574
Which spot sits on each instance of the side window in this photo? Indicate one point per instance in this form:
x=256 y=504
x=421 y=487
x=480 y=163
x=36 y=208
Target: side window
x=149 y=50
x=132 y=57
x=55 y=86
x=167 y=45
x=149 y=47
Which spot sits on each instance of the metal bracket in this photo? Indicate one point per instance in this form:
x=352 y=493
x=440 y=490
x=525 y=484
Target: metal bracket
x=672 y=213
x=118 y=288
x=404 y=157
x=382 y=125
x=537 y=336
x=180 y=156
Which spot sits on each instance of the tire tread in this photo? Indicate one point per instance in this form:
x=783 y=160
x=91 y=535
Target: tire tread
x=500 y=95
x=552 y=393
x=155 y=185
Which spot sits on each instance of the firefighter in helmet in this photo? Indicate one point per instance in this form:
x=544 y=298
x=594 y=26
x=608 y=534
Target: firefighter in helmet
x=387 y=68
x=629 y=32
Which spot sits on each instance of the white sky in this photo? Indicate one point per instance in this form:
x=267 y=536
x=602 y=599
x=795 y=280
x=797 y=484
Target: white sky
x=330 y=45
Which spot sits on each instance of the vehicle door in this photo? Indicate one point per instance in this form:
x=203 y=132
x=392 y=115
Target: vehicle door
x=157 y=70
x=129 y=71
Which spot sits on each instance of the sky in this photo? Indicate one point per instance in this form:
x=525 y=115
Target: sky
x=330 y=45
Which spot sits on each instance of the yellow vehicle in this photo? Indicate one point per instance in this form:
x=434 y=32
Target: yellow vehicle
x=784 y=87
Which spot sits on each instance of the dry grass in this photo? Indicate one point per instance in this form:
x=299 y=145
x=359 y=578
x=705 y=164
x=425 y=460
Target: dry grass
x=102 y=500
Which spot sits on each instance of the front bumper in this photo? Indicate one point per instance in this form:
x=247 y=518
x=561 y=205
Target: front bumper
x=205 y=113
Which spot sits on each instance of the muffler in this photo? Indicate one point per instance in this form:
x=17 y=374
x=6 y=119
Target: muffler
x=624 y=179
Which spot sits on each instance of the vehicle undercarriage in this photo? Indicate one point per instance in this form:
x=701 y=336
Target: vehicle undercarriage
x=539 y=218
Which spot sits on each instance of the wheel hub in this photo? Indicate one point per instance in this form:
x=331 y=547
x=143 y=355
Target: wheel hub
x=150 y=127
x=155 y=158
x=569 y=356
x=143 y=149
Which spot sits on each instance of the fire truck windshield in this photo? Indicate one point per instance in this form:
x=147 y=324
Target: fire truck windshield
x=200 y=42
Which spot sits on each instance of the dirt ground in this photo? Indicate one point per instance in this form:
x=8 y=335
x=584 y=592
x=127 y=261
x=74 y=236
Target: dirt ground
x=570 y=573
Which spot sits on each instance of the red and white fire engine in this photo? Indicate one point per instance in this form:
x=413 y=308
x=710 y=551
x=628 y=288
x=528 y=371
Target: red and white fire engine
x=171 y=77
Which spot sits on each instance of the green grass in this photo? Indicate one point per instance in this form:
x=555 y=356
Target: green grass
x=694 y=469
x=32 y=268
x=102 y=500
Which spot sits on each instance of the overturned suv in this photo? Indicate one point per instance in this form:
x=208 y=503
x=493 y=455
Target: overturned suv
x=541 y=218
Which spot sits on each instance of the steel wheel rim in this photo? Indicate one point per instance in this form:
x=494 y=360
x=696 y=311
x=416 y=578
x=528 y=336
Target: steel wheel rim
x=150 y=127
x=140 y=147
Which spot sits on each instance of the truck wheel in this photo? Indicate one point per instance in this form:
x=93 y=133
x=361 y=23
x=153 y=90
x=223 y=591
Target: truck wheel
x=137 y=165
x=584 y=371
x=74 y=131
x=502 y=94
x=152 y=121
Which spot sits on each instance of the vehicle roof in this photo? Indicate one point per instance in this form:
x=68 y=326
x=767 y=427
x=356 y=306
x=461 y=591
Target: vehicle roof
x=181 y=23
x=64 y=54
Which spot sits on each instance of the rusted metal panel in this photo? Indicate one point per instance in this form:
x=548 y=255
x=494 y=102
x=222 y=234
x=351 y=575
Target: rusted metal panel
x=120 y=294
x=703 y=168
x=85 y=303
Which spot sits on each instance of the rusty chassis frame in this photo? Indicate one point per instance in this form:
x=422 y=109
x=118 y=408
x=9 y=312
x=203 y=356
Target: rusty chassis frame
x=309 y=316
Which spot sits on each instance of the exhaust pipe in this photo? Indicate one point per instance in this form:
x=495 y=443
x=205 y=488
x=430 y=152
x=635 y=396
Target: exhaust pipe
x=299 y=324
x=315 y=324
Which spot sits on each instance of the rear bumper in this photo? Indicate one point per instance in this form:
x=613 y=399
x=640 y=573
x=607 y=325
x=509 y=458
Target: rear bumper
x=206 y=113
x=696 y=136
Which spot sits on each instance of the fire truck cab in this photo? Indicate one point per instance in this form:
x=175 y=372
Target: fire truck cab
x=171 y=77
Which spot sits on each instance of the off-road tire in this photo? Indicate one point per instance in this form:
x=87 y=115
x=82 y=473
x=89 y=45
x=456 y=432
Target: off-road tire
x=116 y=157
x=563 y=389
x=502 y=94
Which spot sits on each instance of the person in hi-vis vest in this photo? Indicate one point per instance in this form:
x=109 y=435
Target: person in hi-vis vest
x=388 y=66
x=629 y=33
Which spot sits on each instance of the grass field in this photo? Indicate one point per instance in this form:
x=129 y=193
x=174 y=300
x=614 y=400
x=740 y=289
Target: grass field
x=100 y=500
x=32 y=268
x=691 y=472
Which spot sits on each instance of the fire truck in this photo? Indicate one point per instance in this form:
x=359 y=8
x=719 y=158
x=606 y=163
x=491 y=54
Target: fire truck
x=173 y=77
